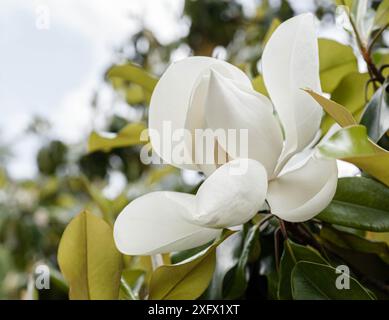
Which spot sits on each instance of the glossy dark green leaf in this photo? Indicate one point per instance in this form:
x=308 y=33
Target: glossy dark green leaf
x=227 y=257
x=292 y=254
x=376 y=114
x=370 y=267
x=360 y=203
x=313 y=281
x=353 y=145
x=353 y=242
x=238 y=281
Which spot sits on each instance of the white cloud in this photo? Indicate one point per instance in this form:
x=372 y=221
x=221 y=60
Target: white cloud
x=53 y=72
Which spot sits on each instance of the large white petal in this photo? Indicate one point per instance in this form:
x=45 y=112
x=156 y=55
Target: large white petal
x=301 y=194
x=290 y=62
x=181 y=92
x=219 y=158
x=231 y=106
x=232 y=195
x=157 y=223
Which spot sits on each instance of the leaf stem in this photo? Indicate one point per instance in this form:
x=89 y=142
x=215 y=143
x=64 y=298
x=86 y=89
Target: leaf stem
x=127 y=289
x=264 y=220
x=283 y=229
x=366 y=54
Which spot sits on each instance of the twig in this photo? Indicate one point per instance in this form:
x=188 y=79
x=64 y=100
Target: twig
x=376 y=37
x=373 y=71
x=283 y=229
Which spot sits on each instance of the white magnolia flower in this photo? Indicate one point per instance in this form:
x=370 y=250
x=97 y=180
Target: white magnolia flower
x=201 y=92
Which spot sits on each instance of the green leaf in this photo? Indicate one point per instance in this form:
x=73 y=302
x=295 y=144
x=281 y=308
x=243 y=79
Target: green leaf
x=273 y=26
x=382 y=15
x=238 y=282
x=313 y=281
x=376 y=115
x=130 y=135
x=155 y=175
x=134 y=74
x=89 y=260
x=135 y=94
x=292 y=254
x=131 y=283
x=381 y=58
x=259 y=85
x=186 y=280
x=353 y=242
x=368 y=266
x=360 y=203
x=335 y=110
x=351 y=144
x=350 y=94
x=347 y=3
x=227 y=257
x=336 y=61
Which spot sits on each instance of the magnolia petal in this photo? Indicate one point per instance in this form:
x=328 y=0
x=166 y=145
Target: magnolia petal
x=301 y=194
x=218 y=158
x=232 y=195
x=178 y=93
x=290 y=62
x=231 y=106
x=158 y=223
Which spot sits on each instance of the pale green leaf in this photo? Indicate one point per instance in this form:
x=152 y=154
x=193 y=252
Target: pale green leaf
x=134 y=74
x=273 y=26
x=342 y=116
x=89 y=260
x=352 y=144
x=259 y=85
x=130 y=135
x=186 y=280
x=347 y=3
x=336 y=61
x=382 y=14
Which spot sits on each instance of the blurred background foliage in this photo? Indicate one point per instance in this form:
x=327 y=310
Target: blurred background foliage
x=34 y=213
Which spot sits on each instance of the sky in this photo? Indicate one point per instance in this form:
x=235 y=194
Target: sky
x=53 y=56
